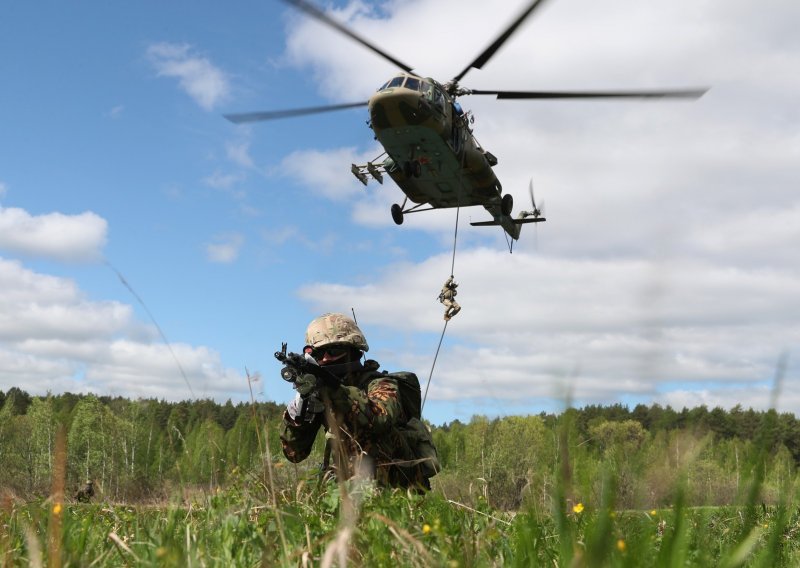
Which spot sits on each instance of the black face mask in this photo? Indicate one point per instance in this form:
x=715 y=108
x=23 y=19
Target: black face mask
x=352 y=364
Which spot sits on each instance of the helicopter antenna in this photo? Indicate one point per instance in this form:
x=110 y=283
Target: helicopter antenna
x=355 y=319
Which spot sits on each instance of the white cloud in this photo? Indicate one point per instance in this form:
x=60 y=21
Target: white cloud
x=326 y=173
x=52 y=338
x=617 y=327
x=226 y=182
x=667 y=268
x=239 y=154
x=126 y=362
x=201 y=79
x=53 y=235
x=225 y=248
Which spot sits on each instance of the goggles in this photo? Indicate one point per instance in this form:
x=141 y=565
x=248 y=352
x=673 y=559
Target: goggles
x=333 y=352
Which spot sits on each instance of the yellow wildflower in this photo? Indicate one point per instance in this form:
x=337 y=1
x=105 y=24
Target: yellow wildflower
x=621 y=545
x=578 y=509
x=57 y=509
x=426 y=528
x=653 y=513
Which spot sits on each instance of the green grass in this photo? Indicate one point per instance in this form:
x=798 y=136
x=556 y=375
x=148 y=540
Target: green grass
x=382 y=528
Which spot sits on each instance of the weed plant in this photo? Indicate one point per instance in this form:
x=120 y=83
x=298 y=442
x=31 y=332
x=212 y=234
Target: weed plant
x=393 y=528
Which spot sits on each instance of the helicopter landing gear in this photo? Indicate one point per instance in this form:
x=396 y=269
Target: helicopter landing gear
x=397 y=214
x=507 y=204
x=412 y=169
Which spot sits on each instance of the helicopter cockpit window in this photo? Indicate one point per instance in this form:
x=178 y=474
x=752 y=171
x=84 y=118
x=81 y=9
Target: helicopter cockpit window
x=392 y=83
x=412 y=83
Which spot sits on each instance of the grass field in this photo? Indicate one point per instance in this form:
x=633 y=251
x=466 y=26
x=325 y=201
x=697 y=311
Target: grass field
x=248 y=525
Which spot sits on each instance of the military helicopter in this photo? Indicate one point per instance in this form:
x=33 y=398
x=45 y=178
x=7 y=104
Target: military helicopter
x=430 y=150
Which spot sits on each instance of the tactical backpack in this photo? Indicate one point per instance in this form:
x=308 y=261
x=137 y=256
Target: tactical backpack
x=414 y=431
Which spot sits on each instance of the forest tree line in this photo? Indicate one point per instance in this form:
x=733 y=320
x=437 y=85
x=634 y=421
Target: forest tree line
x=148 y=449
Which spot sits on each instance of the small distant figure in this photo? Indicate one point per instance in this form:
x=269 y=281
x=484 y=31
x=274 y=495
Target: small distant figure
x=448 y=297
x=84 y=494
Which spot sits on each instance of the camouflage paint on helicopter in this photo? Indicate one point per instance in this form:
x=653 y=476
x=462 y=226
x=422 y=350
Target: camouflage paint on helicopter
x=432 y=155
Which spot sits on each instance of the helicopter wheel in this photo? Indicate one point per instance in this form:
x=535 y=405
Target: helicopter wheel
x=397 y=214
x=507 y=204
x=416 y=168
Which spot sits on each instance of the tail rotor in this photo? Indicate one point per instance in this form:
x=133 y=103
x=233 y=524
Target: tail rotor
x=535 y=212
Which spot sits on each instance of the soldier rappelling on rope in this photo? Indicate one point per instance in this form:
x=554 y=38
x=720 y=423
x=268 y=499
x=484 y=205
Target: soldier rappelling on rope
x=448 y=297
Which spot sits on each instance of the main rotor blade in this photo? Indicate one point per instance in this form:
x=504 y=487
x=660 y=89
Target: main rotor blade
x=240 y=118
x=481 y=60
x=675 y=93
x=315 y=12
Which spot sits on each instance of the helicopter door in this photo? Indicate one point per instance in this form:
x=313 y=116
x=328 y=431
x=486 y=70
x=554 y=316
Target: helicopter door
x=458 y=128
x=438 y=100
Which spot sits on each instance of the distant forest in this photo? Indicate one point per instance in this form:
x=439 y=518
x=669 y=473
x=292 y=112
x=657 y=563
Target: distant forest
x=147 y=449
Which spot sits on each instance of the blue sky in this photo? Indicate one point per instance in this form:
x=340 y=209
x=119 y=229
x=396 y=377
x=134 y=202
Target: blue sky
x=667 y=270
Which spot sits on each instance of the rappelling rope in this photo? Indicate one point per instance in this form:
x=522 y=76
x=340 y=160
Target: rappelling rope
x=428 y=384
x=455 y=234
x=452 y=269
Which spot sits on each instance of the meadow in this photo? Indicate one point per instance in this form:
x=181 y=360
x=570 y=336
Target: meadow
x=202 y=484
x=360 y=526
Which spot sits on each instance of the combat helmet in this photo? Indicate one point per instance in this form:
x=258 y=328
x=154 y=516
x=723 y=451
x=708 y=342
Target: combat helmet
x=335 y=329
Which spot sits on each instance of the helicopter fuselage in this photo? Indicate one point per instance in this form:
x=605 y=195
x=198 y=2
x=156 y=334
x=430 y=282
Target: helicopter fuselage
x=432 y=155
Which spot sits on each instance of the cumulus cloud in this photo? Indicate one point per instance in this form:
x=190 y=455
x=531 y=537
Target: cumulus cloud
x=666 y=269
x=613 y=327
x=198 y=76
x=52 y=338
x=322 y=171
x=53 y=235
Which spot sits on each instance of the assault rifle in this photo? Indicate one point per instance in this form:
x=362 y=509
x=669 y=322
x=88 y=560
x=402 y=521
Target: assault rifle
x=296 y=365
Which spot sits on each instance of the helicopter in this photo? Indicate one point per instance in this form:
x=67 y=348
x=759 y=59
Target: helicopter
x=430 y=150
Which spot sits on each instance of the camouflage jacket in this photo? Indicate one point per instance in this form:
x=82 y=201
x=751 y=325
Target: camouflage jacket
x=369 y=414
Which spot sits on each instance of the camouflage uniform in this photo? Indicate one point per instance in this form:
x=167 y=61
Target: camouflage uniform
x=365 y=411
x=85 y=494
x=448 y=298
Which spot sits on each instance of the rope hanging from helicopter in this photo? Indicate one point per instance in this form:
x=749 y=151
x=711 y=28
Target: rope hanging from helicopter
x=452 y=274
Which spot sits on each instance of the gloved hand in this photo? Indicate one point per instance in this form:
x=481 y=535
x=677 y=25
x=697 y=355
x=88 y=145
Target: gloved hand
x=305 y=384
x=313 y=406
x=295 y=407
